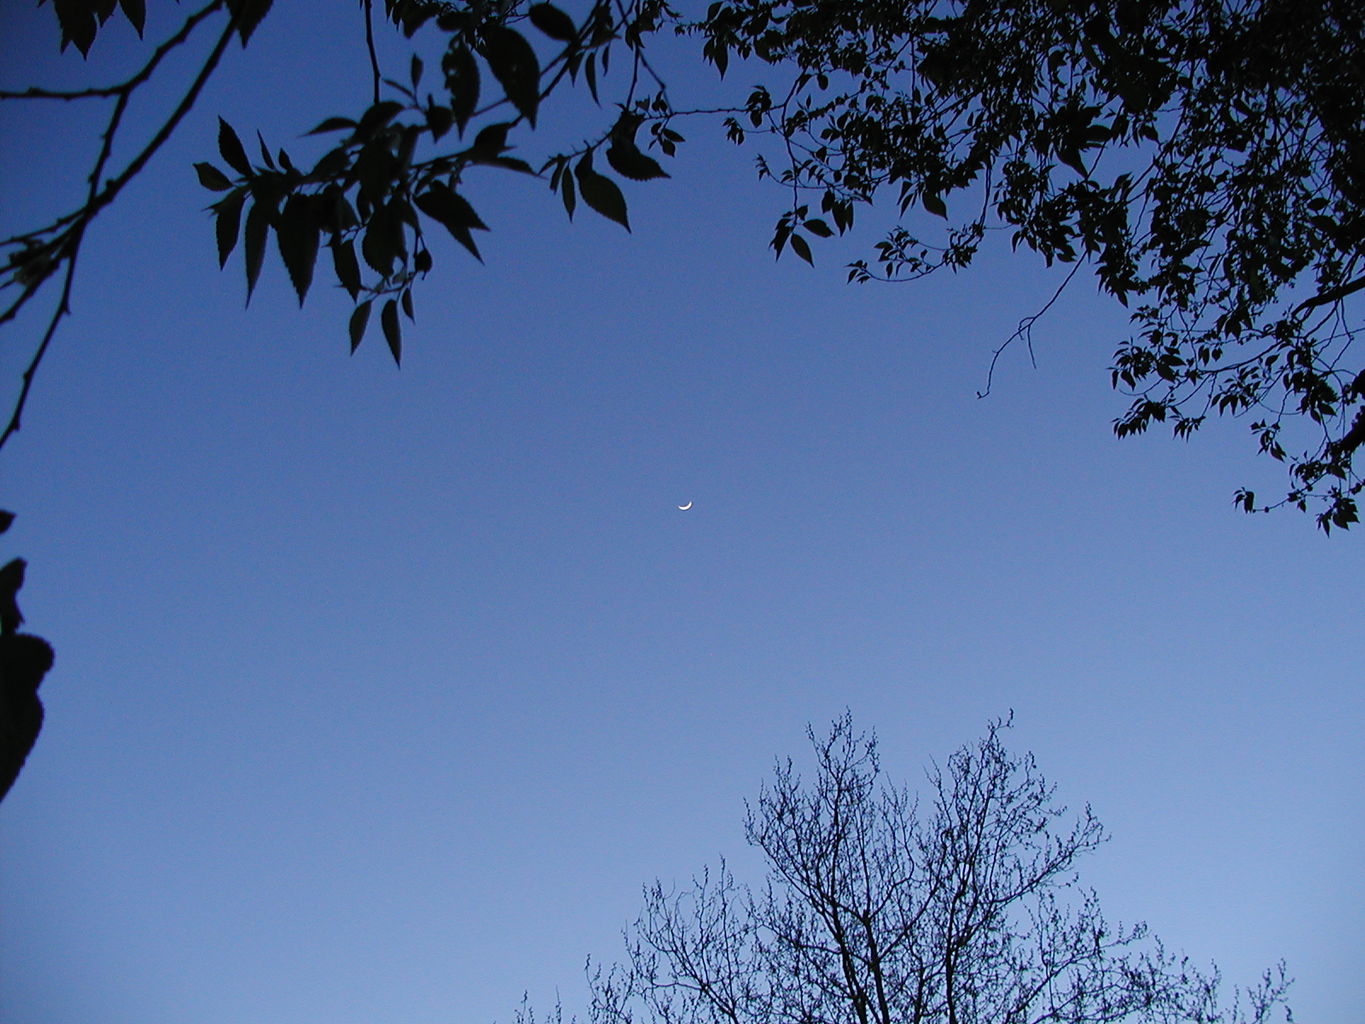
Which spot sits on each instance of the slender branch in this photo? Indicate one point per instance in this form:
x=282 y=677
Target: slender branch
x=1025 y=331
x=109 y=91
x=369 y=45
x=98 y=199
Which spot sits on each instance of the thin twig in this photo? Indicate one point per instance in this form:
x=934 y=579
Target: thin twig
x=98 y=199
x=369 y=45
x=1025 y=331
x=109 y=91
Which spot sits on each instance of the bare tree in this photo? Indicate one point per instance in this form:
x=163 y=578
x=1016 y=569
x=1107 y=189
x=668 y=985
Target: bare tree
x=879 y=911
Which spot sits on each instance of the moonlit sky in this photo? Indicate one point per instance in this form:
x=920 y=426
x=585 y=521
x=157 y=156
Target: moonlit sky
x=380 y=693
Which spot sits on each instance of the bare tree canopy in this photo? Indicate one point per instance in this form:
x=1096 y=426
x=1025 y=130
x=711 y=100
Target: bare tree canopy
x=877 y=910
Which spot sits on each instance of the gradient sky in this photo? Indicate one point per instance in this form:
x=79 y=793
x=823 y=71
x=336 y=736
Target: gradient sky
x=380 y=693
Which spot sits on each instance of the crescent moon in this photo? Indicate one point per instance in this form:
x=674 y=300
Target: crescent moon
x=684 y=508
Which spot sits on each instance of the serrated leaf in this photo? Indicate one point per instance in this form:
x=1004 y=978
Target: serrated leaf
x=802 y=248
x=258 y=220
x=360 y=317
x=227 y=224
x=453 y=211
x=553 y=22
x=382 y=242
x=346 y=267
x=78 y=25
x=393 y=332
x=629 y=162
x=296 y=233
x=600 y=192
x=515 y=66
x=462 y=82
x=248 y=14
x=231 y=147
x=265 y=151
x=211 y=177
x=136 y=13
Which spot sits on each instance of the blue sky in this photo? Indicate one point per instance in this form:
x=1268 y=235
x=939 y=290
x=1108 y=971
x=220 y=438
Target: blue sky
x=380 y=693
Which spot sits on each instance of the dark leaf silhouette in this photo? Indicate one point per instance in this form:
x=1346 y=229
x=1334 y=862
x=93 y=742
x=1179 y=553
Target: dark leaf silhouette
x=360 y=318
x=600 y=192
x=227 y=223
x=393 y=333
x=453 y=211
x=211 y=177
x=516 y=68
x=298 y=235
x=553 y=22
x=230 y=146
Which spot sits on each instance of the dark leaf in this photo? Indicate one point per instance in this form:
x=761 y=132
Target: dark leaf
x=818 y=228
x=600 y=192
x=405 y=300
x=333 y=124
x=231 y=147
x=377 y=117
x=6 y=520
x=462 y=82
x=211 y=177
x=415 y=70
x=516 y=68
x=453 y=211
x=346 y=267
x=11 y=579
x=553 y=22
x=439 y=120
x=297 y=235
x=382 y=242
x=935 y=205
x=393 y=334
x=360 y=317
x=802 y=248
x=248 y=14
x=265 y=152
x=136 y=13
x=492 y=139
x=78 y=24
x=258 y=220
x=511 y=163
x=629 y=162
x=590 y=76
x=227 y=224
x=566 y=190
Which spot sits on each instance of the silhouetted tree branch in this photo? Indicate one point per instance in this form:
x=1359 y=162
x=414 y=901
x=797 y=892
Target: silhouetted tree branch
x=879 y=909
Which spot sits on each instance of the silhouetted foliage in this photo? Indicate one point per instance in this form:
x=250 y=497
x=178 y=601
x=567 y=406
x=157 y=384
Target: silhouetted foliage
x=1203 y=160
x=24 y=660
x=878 y=910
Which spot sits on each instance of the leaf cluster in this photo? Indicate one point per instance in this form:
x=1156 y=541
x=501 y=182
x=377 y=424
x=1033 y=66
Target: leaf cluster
x=403 y=166
x=1202 y=159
